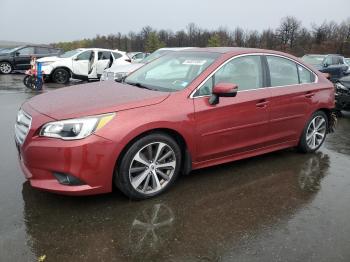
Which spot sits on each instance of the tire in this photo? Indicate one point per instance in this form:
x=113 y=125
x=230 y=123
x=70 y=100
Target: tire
x=314 y=133
x=5 y=68
x=145 y=179
x=61 y=76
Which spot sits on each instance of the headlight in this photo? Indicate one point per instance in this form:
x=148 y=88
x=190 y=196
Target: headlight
x=120 y=76
x=73 y=129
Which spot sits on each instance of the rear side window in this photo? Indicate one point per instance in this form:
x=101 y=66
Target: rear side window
x=305 y=75
x=105 y=55
x=282 y=71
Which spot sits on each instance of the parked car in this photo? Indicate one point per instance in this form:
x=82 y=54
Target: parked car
x=118 y=72
x=342 y=95
x=136 y=57
x=19 y=58
x=334 y=65
x=229 y=104
x=82 y=63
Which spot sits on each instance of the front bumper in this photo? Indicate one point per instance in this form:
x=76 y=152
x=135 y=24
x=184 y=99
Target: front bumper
x=91 y=160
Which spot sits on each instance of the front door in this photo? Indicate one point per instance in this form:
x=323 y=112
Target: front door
x=22 y=58
x=236 y=124
x=82 y=64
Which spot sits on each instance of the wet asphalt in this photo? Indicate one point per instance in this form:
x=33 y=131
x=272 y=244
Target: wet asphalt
x=283 y=206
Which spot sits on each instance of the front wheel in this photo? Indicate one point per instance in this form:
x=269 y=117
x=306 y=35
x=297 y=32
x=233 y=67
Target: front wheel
x=5 y=67
x=149 y=166
x=61 y=76
x=314 y=133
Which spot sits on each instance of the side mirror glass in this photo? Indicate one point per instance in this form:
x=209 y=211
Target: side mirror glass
x=223 y=90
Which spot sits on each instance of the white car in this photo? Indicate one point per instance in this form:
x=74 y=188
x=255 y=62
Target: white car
x=137 y=57
x=118 y=72
x=82 y=63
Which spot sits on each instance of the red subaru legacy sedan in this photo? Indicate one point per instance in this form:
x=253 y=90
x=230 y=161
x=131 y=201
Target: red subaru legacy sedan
x=186 y=110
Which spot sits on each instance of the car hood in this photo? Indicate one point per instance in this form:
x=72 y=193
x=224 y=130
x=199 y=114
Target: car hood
x=117 y=68
x=93 y=99
x=49 y=59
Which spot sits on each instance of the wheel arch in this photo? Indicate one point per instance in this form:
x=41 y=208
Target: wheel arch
x=186 y=165
x=330 y=117
x=62 y=67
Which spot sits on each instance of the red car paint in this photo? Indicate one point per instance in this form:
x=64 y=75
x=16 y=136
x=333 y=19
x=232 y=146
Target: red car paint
x=252 y=123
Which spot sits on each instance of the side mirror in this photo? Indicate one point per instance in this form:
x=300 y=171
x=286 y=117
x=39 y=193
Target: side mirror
x=17 y=53
x=325 y=64
x=223 y=90
x=75 y=58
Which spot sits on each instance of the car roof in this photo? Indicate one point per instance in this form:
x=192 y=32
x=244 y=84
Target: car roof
x=235 y=50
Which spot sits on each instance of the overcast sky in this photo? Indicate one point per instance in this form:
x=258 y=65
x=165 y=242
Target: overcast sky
x=46 y=21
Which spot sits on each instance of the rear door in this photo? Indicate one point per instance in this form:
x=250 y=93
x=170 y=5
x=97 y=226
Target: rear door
x=22 y=58
x=291 y=98
x=105 y=59
x=236 y=124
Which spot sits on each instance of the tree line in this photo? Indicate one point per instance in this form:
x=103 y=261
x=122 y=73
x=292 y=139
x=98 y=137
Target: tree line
x=290 y=36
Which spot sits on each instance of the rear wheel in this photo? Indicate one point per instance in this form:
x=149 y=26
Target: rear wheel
x=149 y=166
x=5 y=67
x=314 y=132
x=61 y=76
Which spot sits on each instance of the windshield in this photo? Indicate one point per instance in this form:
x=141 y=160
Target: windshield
x=70 y=53
x=313 y=59
x=10 y=50
x=172 y=72
x=155 y=55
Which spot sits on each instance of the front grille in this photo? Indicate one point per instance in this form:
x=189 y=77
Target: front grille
x=22 y=126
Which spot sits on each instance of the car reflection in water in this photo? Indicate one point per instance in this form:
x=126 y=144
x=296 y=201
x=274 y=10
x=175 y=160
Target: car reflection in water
x=211 y=213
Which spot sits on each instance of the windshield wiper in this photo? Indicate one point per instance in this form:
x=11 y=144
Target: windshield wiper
x=139 y=85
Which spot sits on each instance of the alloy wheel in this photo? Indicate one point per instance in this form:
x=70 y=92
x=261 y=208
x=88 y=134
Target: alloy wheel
x=5 y=68
x=152 y=168
x=316 y=132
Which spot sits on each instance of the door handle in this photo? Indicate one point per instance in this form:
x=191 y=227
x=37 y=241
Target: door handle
x=309 y=94
x=262 y=103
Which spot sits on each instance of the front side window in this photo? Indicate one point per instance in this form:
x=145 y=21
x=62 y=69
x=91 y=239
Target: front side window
x=244 y=71
x=328 y=60
x=26 y=51
x=84 y=55
x=69 y=53
x=173 y=71
x=283 y=71
x=42 y=51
